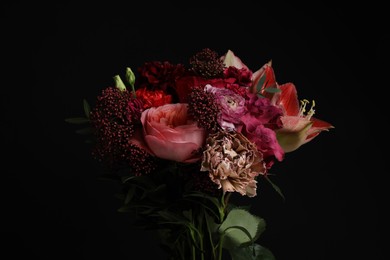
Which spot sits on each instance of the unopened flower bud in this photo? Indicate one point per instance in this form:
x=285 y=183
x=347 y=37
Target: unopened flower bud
x=119 y=83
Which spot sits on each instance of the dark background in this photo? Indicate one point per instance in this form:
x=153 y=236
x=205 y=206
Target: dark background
x=54 y=207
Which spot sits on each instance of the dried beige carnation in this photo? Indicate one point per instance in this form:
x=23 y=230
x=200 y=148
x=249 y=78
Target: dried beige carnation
x=233 y=162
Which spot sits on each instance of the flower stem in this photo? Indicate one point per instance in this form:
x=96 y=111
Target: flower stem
x=220 y=248
x=193 y=253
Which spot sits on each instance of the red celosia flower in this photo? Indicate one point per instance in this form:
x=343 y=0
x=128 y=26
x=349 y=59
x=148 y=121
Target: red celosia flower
x=115 y=118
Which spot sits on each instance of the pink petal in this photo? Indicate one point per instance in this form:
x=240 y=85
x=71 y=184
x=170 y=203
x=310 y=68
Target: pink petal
x=293 y=123
x=177 y=151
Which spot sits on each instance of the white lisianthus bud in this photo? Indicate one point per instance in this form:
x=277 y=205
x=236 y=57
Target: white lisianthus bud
x=119 y=83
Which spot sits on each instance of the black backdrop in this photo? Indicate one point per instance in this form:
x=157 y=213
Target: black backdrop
x=54 y=207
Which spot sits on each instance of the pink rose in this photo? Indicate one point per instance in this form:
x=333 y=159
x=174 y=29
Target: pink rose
x=170 y=134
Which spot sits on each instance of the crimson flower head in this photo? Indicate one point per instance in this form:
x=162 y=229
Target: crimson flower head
x=153 y=98
x=159 y=75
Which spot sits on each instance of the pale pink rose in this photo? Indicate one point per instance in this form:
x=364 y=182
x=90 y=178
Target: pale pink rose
x=170 y=134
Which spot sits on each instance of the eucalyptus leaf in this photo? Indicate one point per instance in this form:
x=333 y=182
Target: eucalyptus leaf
x=237 y=236
x=272 y=90
x=77 y=120
x=260 y=84
x=87 y=108
x=251 y=252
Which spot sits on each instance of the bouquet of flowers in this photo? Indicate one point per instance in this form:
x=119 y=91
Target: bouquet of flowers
x=182 y=138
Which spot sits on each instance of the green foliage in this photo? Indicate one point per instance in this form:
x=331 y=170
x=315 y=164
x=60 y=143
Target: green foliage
x=260 y=84
x=272 y=90
x=85 y=130
x=251 y=252
x=241 y=228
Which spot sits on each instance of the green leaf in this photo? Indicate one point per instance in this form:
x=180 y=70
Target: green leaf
x=85 y=131
x=77 y=120
x=251 y=252
x=87 y=108
x=235 y=236
x=260 y=83
x=276 y=188
x=240 y=237
x=272 y=90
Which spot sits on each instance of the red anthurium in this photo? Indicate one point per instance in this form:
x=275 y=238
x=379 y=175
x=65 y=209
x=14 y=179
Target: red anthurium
x=299 y=125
